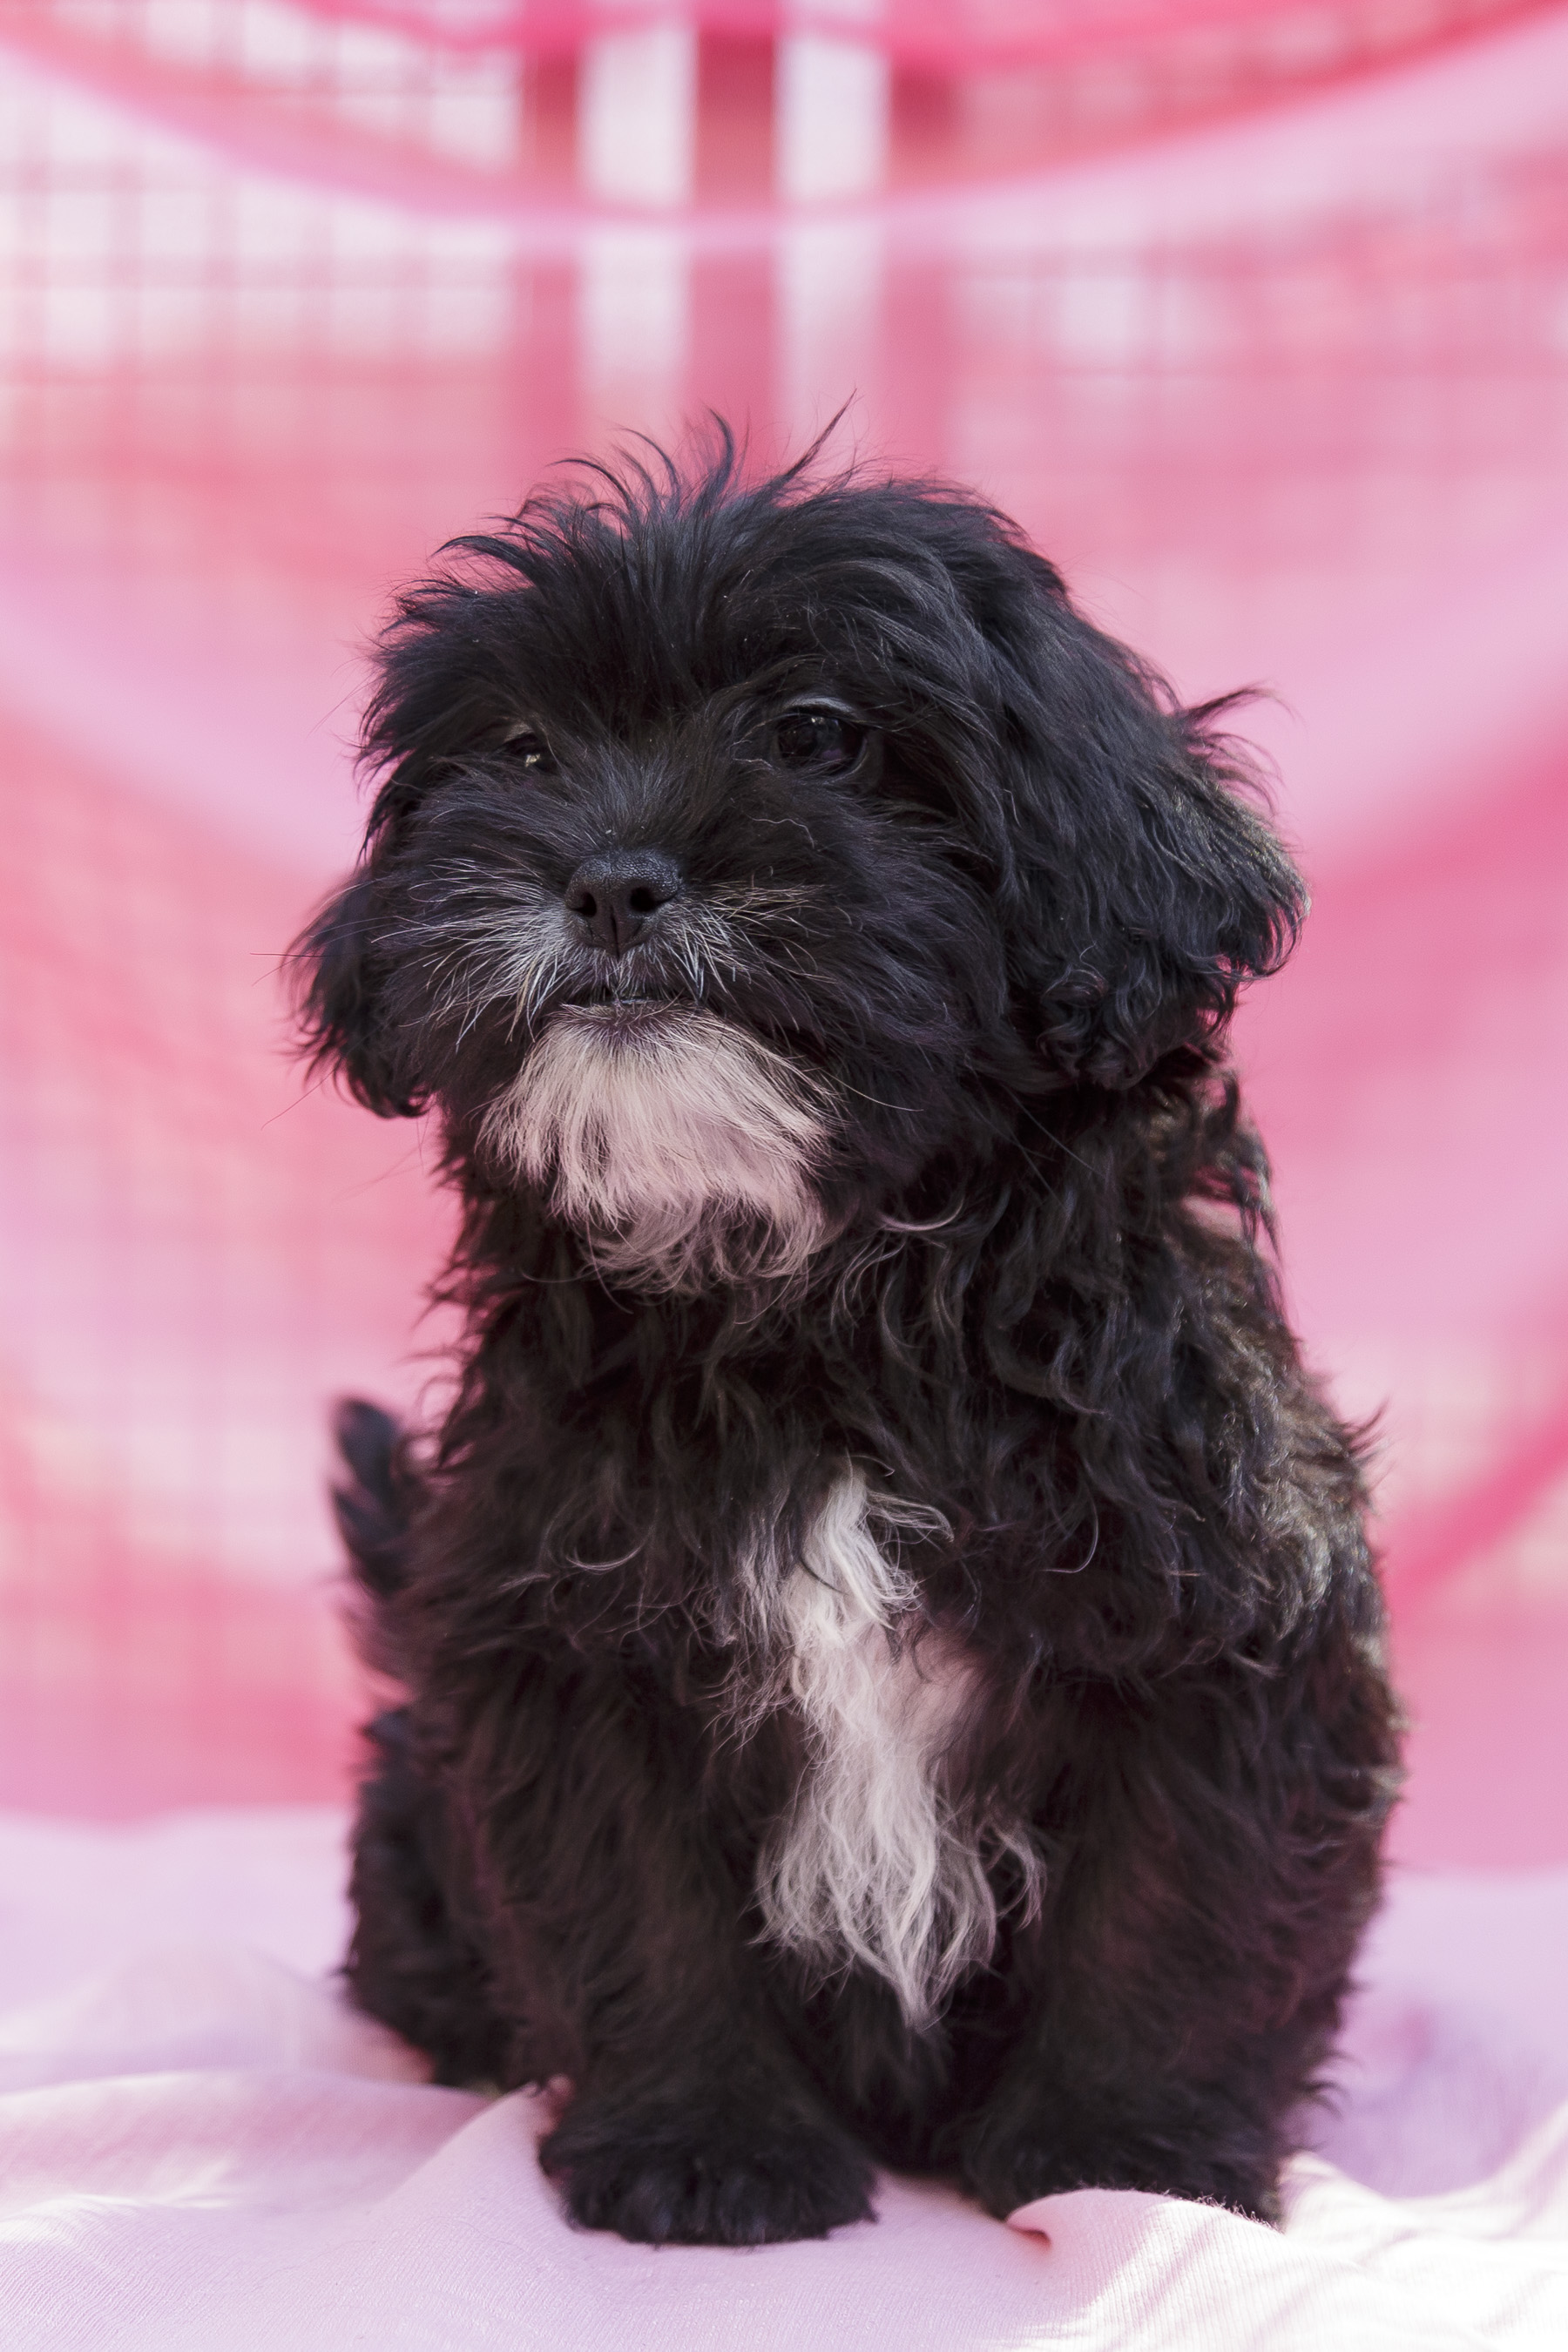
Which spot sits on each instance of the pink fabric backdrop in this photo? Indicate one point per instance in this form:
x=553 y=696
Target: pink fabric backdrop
x=1257 y=315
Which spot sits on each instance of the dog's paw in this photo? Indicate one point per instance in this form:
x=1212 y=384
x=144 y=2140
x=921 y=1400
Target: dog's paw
x=1005 y=2169
x=705 y=2174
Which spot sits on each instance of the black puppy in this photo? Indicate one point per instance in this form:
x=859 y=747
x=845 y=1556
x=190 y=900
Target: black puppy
x=893 y=1669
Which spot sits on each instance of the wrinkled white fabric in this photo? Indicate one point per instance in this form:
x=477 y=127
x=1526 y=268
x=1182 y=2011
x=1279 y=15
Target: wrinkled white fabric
x=201 y=2147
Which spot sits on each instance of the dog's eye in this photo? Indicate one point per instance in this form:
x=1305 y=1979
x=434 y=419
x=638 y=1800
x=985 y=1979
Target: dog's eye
x=530 y=751
x=819 y=741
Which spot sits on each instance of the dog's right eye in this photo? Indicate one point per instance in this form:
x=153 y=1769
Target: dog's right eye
x=818 y=740
x=531 y=750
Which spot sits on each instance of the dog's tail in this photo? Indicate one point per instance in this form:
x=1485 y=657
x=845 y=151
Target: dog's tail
x=375 y=1504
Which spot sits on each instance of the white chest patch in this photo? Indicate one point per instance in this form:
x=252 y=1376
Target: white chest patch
x=873 y=1863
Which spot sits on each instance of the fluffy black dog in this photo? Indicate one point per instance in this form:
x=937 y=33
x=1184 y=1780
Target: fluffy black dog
x=893 y=1668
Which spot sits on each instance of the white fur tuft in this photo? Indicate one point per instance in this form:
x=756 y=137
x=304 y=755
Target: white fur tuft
x=667 y=1132
x=873 y=1863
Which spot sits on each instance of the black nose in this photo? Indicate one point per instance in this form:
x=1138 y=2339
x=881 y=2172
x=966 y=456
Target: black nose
x=616 y=895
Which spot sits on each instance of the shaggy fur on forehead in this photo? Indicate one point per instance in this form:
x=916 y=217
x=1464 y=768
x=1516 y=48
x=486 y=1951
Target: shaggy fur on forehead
x=892 y=1662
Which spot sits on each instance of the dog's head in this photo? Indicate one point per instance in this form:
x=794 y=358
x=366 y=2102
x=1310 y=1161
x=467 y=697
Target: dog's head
x=740 y=850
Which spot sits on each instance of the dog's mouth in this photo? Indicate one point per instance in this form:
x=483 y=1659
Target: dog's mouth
x=625 y=1021
x=655 y=1021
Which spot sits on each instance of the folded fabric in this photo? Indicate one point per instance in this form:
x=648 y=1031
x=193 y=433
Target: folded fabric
x=201 y=2146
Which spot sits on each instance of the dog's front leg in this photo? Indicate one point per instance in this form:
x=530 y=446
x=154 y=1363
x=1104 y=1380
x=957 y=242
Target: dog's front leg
x=622 y=1951
x=1218 y=1858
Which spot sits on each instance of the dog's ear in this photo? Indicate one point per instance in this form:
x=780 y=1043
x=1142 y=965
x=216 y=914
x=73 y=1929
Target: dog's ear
x=1153 y=890
x=340 y=999
x=434 y=693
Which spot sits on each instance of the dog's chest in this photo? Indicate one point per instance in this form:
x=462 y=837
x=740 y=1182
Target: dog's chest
x=877 y=1861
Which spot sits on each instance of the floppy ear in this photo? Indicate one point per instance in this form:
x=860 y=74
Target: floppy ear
x=341 y=1005
x=1157 y=890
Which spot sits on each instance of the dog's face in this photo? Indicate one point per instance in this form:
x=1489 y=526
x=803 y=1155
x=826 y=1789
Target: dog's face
x=741 y=852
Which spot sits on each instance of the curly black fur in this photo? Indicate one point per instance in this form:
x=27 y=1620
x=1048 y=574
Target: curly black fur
x=988 y=908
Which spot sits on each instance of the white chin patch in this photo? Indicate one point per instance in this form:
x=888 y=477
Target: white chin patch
x=680 y=1144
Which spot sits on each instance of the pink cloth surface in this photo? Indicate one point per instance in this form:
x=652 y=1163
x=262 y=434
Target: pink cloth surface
x=200 y=2145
